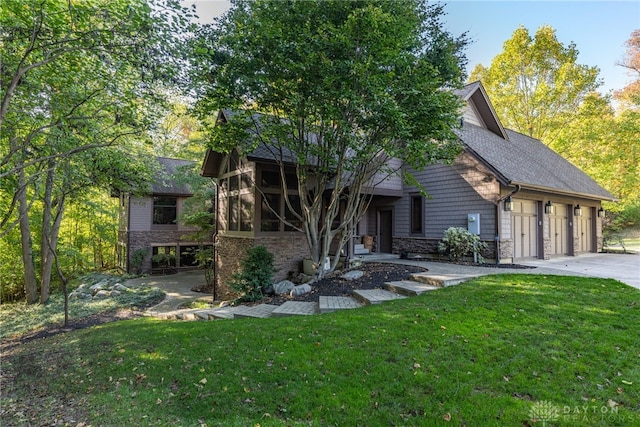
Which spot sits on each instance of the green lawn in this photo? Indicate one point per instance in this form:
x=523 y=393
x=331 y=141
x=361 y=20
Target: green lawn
x=499 y=350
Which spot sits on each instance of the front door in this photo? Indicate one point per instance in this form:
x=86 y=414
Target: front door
x=385 y=227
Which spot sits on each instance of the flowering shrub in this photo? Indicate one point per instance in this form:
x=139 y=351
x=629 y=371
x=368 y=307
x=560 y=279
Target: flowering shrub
x=458 y=242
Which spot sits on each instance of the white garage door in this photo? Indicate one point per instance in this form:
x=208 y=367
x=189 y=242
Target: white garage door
x=524 y=226
x=558 y=227
x=583 y=228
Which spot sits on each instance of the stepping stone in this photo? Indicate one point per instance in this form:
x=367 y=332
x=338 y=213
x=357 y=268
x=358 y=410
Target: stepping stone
x=221 y=313
x=409 y=287
x=295 y=308
x=442 y=279
x=329 y=304
x=187 y=314
x=376 y=296
x=260 y=311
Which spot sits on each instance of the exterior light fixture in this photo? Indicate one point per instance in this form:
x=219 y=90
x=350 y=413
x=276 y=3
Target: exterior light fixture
x=577 y=211
x=601 y=213
x=549 y=208
x=508 y=204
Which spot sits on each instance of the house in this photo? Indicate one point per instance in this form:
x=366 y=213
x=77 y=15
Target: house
x=150 y=236
x=523 y=199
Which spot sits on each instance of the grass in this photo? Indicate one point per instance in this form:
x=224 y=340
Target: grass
x=20 y=317
x=497 y=350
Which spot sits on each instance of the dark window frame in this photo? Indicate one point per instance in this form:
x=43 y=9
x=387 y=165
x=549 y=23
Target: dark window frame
x=416 y=214
x=165 y=211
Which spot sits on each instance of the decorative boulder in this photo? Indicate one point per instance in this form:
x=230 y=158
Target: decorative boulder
x=119 y=287
x=95 y=288
x=352 y=275
x=300 y=290
x=283 y=287
x=102 y=294
x=114 y=293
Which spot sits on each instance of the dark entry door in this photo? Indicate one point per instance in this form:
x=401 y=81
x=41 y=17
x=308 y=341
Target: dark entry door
x=385 y=226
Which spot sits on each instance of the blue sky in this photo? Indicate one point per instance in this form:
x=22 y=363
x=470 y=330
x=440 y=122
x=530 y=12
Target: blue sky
x=598 y=28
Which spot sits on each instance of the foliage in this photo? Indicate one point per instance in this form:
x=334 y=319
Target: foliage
x=254 y=277
x=459 y=242
x=535 y=83
x=19 y=318
x=488 y=349
x=337 y=88
x=137 y=258
x=79 y=89
x=629 y=96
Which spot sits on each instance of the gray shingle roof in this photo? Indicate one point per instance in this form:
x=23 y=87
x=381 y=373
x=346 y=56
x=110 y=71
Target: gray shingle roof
x=528 y=162
x=165 y=178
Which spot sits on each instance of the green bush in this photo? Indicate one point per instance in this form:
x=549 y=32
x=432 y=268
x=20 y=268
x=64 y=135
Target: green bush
x=256 y=270
x=458 y=242
x=137 y=258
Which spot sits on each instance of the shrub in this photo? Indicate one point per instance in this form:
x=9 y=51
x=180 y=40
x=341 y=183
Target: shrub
x=458 y=242
x=137 y=258
x=256 y=270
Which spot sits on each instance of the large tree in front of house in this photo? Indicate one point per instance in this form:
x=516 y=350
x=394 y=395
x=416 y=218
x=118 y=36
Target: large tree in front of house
x=336 y=88
x=536 y=84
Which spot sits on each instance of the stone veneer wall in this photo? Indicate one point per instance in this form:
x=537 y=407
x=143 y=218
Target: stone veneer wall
x=288 y=252
x=426 y=246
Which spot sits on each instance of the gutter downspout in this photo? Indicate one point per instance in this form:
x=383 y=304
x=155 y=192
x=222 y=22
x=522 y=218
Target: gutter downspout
x=499 y=218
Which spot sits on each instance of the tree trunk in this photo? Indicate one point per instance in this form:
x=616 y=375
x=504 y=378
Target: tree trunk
x=30 y=284
x=50 y=241
x=46 y=257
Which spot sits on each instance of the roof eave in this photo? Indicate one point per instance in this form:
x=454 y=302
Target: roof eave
x=528 y=186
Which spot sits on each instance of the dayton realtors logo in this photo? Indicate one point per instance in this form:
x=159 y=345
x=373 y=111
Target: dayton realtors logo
x=545 y=411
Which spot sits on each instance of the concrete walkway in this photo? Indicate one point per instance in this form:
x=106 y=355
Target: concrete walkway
x=177 y=288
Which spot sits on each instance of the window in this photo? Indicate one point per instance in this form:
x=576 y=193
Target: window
x=163 y=257
x=188 y=256
x=417 y=209
x=269 y=219
x=164 y=210
x=290 y=216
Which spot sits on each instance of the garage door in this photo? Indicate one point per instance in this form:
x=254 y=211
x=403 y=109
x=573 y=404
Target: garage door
x=524 y=226
x=584 y=231
x=558 y=228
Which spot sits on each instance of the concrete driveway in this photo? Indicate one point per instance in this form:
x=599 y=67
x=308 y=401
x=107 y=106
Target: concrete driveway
x=622 y=267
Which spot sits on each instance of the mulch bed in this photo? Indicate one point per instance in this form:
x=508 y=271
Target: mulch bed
x=375 y=275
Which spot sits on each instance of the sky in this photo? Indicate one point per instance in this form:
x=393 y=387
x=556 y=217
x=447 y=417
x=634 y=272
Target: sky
x=599 y=29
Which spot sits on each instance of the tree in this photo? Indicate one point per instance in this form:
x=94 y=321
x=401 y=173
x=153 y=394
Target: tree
x=535 y=83
x=75 y=77
x=339 y=87
x=629 y=96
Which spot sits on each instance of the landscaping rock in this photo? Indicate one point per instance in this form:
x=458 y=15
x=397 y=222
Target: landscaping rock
x=119 y=287
x=114 y=293
x=352 y=275
x=283 y=287
x=102 y=294
x=95 y=288
x=300 y=290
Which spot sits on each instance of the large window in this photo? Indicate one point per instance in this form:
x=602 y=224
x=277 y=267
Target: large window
x=273 y=205
x=165 y=210
x=417 y=210
x=237 y=189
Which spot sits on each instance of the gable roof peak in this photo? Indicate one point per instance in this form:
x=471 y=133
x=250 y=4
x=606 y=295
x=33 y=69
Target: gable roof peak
x=475 y=95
